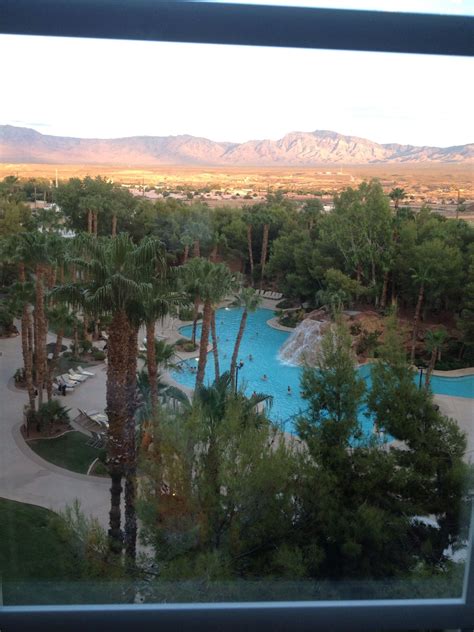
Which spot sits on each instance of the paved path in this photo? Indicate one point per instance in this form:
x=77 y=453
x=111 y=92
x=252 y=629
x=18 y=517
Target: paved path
x=24 y=476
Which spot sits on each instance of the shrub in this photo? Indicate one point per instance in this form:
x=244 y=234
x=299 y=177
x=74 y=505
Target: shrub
x=85 y=346
x=186 y=313
x=290 y=319
x=356 y=329
x=97 y=354
x=49 y=414
x=6 y=322
x=19 y=376
x=368 y=341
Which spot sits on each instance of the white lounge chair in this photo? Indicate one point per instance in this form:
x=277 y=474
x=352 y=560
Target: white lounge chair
x=77 y=376
x=83 y=372
x=67 y=379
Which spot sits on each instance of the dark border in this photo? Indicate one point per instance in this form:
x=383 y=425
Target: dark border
x=260 y=26
x=216 y=23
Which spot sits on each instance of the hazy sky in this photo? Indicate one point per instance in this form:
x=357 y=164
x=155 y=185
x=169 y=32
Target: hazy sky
x=92 y=88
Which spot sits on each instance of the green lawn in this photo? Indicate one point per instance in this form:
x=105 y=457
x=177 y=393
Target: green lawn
x=32 y=549
x=69 y=451
x=40 y=564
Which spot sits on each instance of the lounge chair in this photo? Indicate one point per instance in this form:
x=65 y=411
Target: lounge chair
x=68 y=385
x=96 y=440
x=69 y=381
x=77 y=376
x=104 y=335
x=101 y=420
x=83 y=372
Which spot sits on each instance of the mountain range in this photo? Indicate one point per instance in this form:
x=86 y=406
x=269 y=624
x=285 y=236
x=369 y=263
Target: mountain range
x=25 y=145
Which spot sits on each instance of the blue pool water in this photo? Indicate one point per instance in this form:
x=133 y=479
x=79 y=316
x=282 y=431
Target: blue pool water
x=262 y=343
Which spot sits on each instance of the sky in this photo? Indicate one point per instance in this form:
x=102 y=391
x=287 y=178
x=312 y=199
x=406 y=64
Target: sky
x=108 y=89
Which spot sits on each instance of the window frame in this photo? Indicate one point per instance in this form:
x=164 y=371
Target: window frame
x=216 y=23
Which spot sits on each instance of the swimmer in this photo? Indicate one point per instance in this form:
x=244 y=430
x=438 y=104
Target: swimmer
x=264 y=377
x=250 y=357
x=289 y=390
x=241 y=364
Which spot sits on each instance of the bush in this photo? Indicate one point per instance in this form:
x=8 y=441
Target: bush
x=50 y=414
x=183 y=344
x=19 y=377
x=85 y=346
x=290 y=319
x=368 y=341
x=97 y=354
x=6 y=322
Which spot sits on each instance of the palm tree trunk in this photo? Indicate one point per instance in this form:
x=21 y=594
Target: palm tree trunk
x=266 y=228
x=215 y=349
x=89 y=222
x=40 y=350
x=27 y=354
x=249 y=244
x=75 y=337
x=383 y=298
x=186 y=253
x=54 y=359
x=25 y=346
x=238 y=340
x=206 y=324
x=197 y=248
x=116 y=396
x=85 y=322
x=416 y=321
x=130 y=534
x=213 y=255
x=152 y=366
x=114 y=225
x=96 y=221
x=431 y=366
x=195 y=319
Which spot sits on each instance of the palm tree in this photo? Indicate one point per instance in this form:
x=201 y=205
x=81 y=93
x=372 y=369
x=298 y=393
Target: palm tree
x=215 y=282
x=61 y=318
x=434 y=343
x=265 y=219
x=396 y=195
x=249 y=300
x=117 y=276
x=33 y=251
x=212 y=403
x=249 y=219
x=22 y=296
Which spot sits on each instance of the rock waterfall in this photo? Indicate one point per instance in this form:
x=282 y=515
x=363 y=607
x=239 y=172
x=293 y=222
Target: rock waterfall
x=303 y=345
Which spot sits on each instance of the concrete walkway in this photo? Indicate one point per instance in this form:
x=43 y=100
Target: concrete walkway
x=24 y=476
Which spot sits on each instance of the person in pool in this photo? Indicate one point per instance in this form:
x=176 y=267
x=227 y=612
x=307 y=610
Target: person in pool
x=289 y=390
x=264 y=377
x=250 y=357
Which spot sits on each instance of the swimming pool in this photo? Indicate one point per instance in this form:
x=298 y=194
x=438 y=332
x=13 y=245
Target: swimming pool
x=259 y=354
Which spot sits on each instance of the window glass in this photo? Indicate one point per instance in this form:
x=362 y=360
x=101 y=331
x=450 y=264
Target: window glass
x=236 y=307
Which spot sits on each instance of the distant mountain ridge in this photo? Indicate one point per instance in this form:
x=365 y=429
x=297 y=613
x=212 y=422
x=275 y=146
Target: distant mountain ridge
x=25 y=145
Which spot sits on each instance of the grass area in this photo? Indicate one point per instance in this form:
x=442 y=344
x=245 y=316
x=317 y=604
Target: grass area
x=69 y=451
x=40 y=562
x=32 y=549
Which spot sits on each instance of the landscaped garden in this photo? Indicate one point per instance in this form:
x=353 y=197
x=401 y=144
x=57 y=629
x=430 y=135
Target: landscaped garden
x=212 y=476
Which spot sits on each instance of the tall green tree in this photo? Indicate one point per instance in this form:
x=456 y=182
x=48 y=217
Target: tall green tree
x=249 y=301
x=116 y=279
